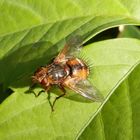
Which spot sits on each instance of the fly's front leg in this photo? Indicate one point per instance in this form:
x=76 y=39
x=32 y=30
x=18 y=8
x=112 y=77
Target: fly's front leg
x=36 y=95
x=64 y=93
x=44 y=90
x=31 y=90
x=32 y=86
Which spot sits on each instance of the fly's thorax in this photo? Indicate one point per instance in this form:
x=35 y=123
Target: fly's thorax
x=78 y=68
x=57 y=73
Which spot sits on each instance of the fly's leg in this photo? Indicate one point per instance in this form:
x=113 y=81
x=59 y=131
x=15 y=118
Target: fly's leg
x=46 y=89
x=64 y=93
x=31 y=89
x=36 y=95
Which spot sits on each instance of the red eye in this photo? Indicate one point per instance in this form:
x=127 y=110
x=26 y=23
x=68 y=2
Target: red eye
x=44 y=81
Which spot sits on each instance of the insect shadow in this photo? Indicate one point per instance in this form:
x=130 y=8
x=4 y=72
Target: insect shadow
x=24 y=60
x=22 y=63
x=67 y=71
x=55 y=90
x=18 y=66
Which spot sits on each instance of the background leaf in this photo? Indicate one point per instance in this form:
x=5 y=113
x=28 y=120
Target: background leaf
x=32 y=33
x=130 y=32
x=63 y=13
x=122 y=109
x=24 y=115
x=21 y=43
x=119 y=118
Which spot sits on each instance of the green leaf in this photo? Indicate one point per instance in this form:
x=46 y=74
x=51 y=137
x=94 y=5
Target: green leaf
x=130 y=32
x=22 y=42
x=32 y=33
x=24 y=116
x=120 y=117
x=19 y=15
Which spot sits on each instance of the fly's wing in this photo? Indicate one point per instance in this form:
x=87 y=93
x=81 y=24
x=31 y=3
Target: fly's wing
x=72 y=48
x=85 y=89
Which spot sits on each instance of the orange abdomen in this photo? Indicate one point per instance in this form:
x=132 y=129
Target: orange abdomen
x=78 y=68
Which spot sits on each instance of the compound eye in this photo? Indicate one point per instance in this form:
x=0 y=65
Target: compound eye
x=44 y=81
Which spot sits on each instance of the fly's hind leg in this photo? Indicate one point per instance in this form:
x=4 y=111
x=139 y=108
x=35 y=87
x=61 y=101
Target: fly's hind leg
x=64 y=93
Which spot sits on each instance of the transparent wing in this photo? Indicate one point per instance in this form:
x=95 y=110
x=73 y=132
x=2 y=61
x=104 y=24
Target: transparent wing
x=72 y=48
x=87 y=90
